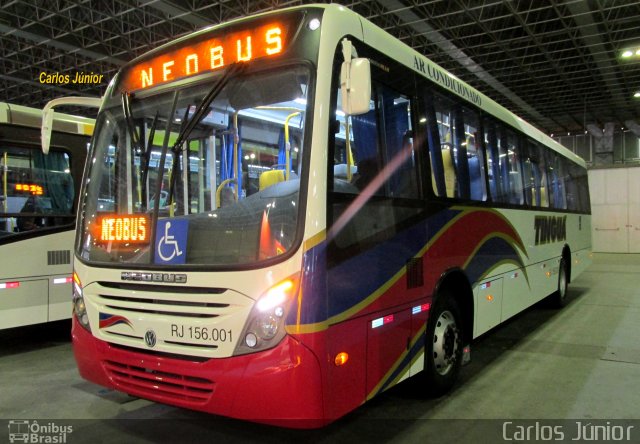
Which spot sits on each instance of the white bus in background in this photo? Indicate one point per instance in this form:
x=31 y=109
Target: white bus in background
x=38 y=202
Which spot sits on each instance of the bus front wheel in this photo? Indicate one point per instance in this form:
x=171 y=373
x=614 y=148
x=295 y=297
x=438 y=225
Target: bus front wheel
x=443 y=346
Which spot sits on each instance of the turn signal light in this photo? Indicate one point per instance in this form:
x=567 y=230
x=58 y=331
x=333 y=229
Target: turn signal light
x=341 y=359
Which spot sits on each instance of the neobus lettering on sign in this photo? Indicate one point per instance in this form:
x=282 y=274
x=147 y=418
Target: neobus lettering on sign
x=244 y=46
x=288 y=214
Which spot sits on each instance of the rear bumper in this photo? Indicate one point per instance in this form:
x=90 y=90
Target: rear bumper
x=281 y=386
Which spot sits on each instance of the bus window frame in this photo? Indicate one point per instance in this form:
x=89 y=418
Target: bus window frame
x=113 y=100
x=75 y=148
x=381 y=78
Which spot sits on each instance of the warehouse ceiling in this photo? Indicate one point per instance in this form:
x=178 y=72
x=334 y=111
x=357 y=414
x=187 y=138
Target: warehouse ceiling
x=556 y=63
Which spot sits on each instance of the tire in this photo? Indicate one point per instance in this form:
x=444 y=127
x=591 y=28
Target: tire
x=559 y=298
x=443 y=346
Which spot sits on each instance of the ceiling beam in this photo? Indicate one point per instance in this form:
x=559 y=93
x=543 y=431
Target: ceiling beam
x=176 y=12
x=583 y=18
x=42 y=40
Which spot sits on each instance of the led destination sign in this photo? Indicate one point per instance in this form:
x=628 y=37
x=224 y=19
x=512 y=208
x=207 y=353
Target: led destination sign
x=123 y=229
x=212 y=54
x=36 y=190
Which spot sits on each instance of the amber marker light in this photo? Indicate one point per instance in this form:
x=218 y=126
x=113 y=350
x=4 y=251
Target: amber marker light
x=76 y=279
x=489 y=297
x=341 y=358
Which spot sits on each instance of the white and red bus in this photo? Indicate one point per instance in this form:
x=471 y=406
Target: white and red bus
x=38 y=202
x=287 y=214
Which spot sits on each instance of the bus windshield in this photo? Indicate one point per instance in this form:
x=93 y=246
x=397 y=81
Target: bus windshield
x=198 y=174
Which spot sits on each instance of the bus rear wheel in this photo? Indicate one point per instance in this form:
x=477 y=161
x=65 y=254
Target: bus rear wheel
x=559 y=298
x=443 y=346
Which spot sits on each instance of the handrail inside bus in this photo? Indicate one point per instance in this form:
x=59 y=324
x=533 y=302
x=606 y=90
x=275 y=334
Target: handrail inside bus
x=287 y=145
x=47 y=115
x=221 y=186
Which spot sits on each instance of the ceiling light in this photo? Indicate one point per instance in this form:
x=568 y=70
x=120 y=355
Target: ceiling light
x=631 y=53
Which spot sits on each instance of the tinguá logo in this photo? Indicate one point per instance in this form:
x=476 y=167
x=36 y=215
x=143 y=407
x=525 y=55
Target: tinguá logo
x=550 y=229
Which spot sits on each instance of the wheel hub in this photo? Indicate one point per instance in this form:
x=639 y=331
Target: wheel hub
x=445 y=343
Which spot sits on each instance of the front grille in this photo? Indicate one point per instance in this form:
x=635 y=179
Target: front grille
x=160 y=354
x=164 y=307
x=162 y=288
x=157 y=383
x=125 y=312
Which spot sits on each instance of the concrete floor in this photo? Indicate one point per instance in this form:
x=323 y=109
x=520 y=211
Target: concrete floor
x=579 y=363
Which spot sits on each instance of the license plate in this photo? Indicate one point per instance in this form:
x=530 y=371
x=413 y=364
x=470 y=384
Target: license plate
x=201 y=334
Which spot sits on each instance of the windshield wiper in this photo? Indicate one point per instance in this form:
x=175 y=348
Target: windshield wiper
x=197 y=115
x=146 y=159
x=138 y=146
x=203 y=108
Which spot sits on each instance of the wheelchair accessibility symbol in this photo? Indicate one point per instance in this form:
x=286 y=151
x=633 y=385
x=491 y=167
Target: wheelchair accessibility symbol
x=171 y=241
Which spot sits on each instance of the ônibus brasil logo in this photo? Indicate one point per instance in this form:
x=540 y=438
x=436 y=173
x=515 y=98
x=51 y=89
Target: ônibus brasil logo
x=27 y=431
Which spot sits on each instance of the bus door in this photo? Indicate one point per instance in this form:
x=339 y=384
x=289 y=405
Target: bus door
x=375 y=203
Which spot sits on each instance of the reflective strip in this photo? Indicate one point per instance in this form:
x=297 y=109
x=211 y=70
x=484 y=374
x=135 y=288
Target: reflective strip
x=9 y=285
x=379 y=322
x=420 y=308
x=63 y=280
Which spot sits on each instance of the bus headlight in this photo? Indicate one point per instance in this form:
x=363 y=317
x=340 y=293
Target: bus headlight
x=79 y=309
x=265 y=326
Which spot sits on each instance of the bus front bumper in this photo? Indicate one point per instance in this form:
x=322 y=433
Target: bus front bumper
x=280 y=386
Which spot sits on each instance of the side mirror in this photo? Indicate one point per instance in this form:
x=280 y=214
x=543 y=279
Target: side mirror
x=355 y=84
x=47 y=115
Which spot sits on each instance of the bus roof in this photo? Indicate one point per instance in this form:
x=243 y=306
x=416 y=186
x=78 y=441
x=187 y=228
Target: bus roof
x=385 y=42
x=32 y=117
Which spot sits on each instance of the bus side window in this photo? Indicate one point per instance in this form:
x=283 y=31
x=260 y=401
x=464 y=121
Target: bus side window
x=556 y=181
x=37 y=191
x=455 y=151
x=535 y=176
x=439 y=139
x=374 y=155
x=366 y=144
x=509 y=141
x=498 y=162
x=474 y=155
x=580 y=176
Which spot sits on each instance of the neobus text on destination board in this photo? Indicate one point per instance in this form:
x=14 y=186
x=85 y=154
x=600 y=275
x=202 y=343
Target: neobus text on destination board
x=241 y=46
